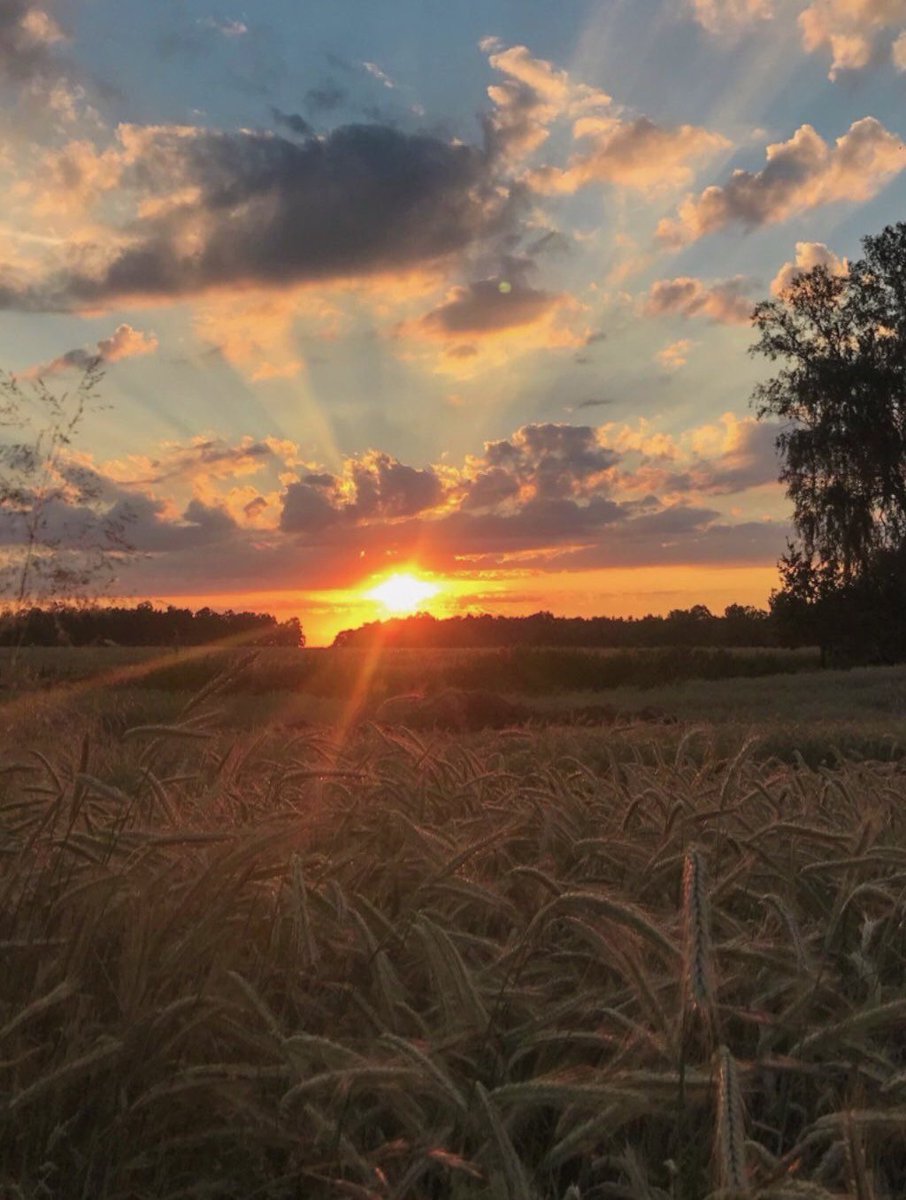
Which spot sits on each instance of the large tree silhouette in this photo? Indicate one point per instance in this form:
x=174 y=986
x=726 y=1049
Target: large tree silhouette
x=841 y=395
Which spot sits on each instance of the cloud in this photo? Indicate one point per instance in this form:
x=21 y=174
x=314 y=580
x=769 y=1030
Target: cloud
x=227 y=210
x=676 y=355
x=723 y=459
x=546 y=462
x=254 y=328
x=326 y=97
x=373 y=487
x=802 y=173
x=747 y=458
x=227 y=28
x=549 y=497
x=852 y=30
x=28 y=35
x=630 y=153
x=808 y=256
x=200 y=462
x=724 y=301
x=531 y=97
x=726 y=457
x=633 y=153
x=380 y=75
x=730 y=16
x=46 y=82
x=488 y=306
x=490 y=319
x=293 y=122
x=124 y=342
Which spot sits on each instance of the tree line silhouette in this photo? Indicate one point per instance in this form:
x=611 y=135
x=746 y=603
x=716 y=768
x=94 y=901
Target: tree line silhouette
x=740 y=625
x=144 y=625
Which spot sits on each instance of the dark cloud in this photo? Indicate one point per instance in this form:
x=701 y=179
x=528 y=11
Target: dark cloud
x=489 y=305
x=365 y=200
x=553 y=461
x=594 y=403
x=551 y=242
x=293 y=122
x=94 y=506
x=678 y=536
x=325 y=98
x=149 y=530
x=387 y=488
x=378 y=487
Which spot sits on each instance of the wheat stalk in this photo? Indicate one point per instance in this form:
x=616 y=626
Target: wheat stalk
x=698 y=973
x=730 y=1133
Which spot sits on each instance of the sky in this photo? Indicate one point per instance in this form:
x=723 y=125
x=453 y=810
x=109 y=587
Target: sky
x=459 y=290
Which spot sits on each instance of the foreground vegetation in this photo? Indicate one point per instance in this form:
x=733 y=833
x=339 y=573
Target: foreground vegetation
x=380 y=673
x=395 y=965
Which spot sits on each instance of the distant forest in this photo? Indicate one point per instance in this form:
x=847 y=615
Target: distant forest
x=740 y=625
x=145 y=625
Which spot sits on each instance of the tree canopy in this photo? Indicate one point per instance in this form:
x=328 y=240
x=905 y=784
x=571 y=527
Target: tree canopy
x=840 y=394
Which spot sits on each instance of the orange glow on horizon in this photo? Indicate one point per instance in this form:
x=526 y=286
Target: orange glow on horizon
x=616 y=592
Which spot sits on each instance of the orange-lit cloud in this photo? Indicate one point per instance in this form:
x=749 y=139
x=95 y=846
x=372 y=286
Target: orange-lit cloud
x=533 y=95
x=851 y=30
x=491 y=320
x=253 y=329
x=627 y=152
x=674 y=356
x=124 y=342
x=44 y=87
x=630 y=153
x=725 y=301
x=808 y=256
x=730 y=16
x=802 y=173
x=551 y=497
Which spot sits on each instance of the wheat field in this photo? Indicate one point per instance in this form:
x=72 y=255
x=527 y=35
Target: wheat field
x=396 y=965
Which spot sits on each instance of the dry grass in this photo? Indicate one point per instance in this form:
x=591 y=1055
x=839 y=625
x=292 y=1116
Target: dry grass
x=273 y=966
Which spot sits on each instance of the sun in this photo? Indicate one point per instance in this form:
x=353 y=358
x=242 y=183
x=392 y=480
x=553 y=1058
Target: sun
x=403 y=593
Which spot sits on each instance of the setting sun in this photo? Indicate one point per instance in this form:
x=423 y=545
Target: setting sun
x=403 y=593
